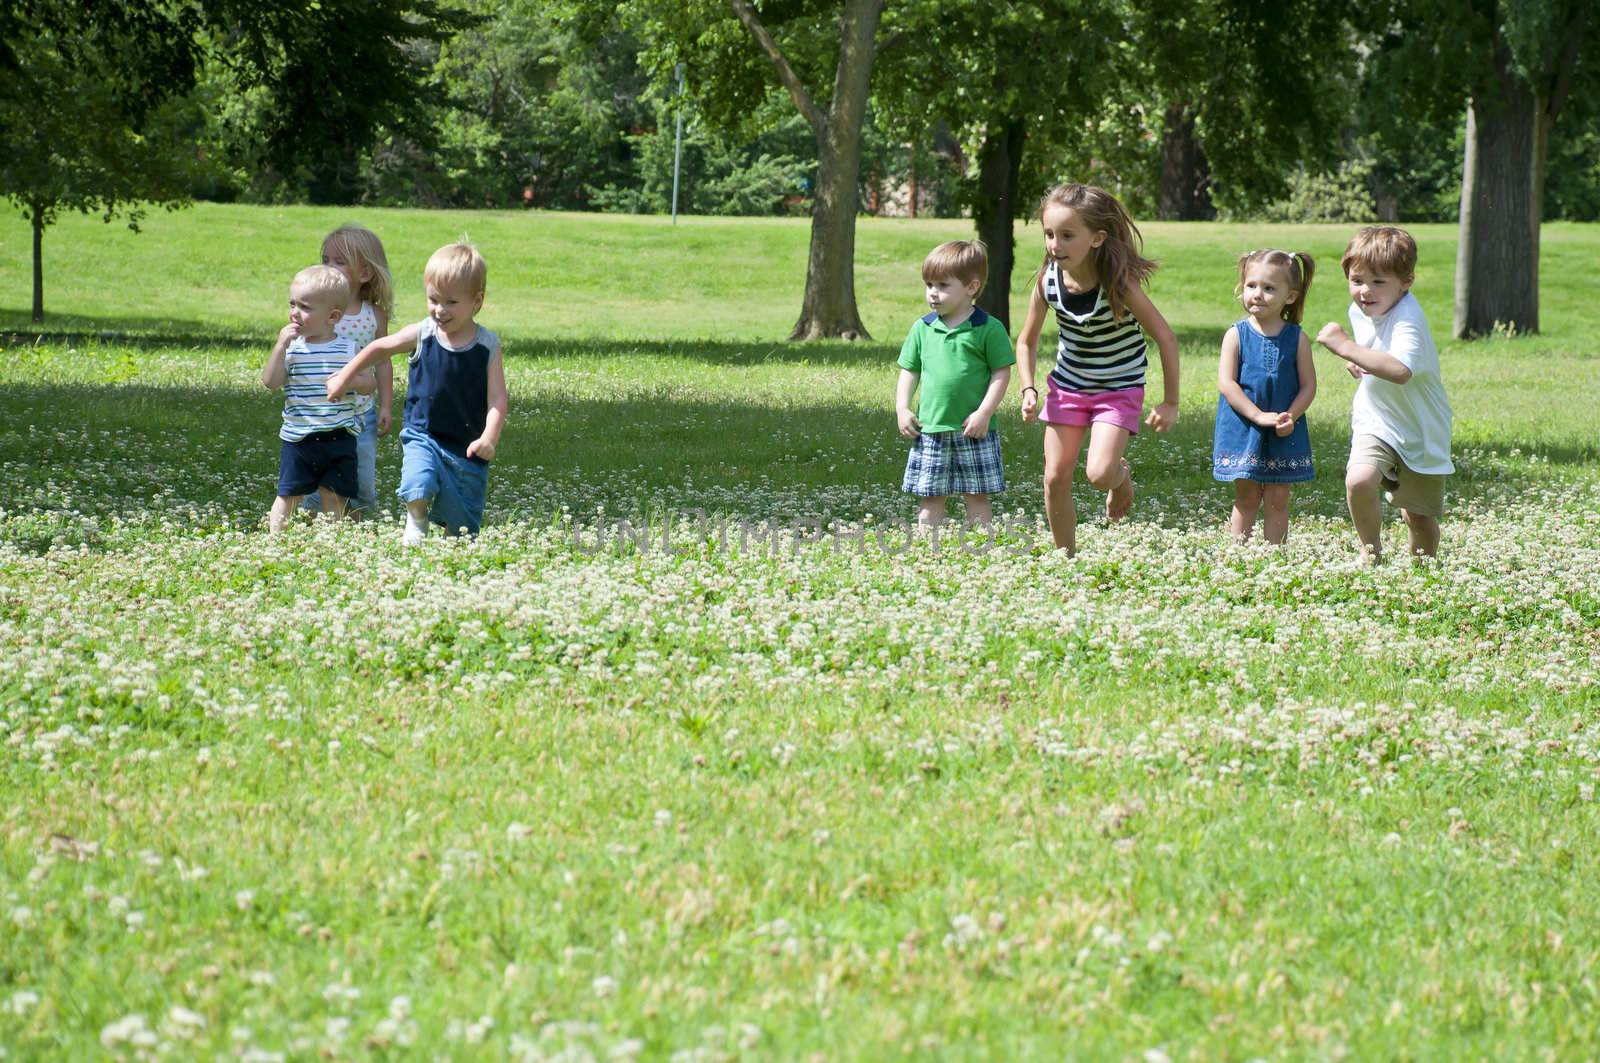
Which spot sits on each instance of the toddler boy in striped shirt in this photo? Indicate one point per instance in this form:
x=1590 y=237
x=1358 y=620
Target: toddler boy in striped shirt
x=319 y=434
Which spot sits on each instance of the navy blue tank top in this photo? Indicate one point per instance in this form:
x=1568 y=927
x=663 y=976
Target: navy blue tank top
x=447 y=395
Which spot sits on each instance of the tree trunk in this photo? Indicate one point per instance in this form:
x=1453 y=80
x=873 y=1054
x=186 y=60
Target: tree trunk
x=1185 y=191
x=995 y=213
x=37 y=217
x=828 y=309
x=1497 y=263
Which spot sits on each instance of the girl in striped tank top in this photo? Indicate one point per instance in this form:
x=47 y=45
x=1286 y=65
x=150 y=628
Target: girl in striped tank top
x=1092 y=279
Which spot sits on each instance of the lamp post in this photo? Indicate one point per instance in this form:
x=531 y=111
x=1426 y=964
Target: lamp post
x=677 y=148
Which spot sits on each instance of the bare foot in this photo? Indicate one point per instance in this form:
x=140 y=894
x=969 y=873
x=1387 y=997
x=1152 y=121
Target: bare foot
x=1120 y=498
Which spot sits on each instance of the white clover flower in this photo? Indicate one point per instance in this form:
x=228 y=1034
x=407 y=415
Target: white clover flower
x=22 y=1001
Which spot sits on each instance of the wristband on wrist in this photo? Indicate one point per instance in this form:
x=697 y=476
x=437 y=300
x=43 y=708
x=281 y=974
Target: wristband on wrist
x=1031 y=388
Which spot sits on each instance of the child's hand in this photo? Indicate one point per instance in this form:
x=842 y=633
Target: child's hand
x=481 y=448
x=910 y=427
x=1284 y=423
x=337 y=385
x=385 y=419
x=288 y=332
x=1355 y=370
x=1333 y=336
x=1030 y=405
x=1163 y=417
x=976 y=426
x=1266 y=419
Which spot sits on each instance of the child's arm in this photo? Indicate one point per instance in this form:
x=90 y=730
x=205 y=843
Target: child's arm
x=499 y=405
x=976 y=426
x=378 y=351
x=1228 y=384
x=1307 y=368
x=904 y=388
x=385 y=379
x=1380 y=364
x=1028 y=351
x=274 y=373
x=1165 y=415
x=365 y=382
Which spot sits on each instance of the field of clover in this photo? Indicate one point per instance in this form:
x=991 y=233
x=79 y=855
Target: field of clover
x=696 y=753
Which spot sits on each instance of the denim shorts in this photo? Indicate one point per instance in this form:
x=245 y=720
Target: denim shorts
x=322 y=459
x=453 y=484
x=366 y=496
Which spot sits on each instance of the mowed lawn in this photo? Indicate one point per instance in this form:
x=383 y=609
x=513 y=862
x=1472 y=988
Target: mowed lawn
x=752 y=776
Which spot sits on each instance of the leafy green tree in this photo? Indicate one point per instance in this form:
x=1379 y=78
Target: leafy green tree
x=718 y=176
x=956 y=67
x=1236 y=99
x=83 y=130
x=1512 y=65
x=314 y=81
x=821 y=54
x=89 y=106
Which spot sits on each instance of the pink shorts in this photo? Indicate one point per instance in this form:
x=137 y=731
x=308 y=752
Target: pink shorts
x=1121 y=408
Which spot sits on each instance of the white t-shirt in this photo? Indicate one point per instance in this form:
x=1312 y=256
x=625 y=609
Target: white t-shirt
x=1414 y=417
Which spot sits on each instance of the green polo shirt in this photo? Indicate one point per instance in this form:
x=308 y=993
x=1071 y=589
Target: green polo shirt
x=955 y=365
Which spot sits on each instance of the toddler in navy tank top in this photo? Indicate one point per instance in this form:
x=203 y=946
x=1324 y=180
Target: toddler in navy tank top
x=456 y=398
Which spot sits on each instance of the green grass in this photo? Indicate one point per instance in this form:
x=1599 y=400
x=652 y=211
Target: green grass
x=322 y=796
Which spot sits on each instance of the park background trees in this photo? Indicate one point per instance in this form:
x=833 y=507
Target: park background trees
x=1297 y=111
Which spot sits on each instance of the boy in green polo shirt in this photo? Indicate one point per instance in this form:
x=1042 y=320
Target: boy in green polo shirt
x=962 y=357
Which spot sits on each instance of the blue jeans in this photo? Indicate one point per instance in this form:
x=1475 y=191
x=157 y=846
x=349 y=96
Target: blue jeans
x=366 y=496
x=452 y=484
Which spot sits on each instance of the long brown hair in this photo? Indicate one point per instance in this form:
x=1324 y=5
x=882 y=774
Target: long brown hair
x=1297 y=264
x=1120 y=257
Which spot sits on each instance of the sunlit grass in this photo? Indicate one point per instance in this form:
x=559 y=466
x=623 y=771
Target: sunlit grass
x=767 y=782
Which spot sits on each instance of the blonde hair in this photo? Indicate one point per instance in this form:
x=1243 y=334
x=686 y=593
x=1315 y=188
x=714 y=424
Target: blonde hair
x=1119 y=260
x=324 y=283
x=1297 y=264
x=361 y=248
x=457 y=263
x=965 y=260
x=1382 y=249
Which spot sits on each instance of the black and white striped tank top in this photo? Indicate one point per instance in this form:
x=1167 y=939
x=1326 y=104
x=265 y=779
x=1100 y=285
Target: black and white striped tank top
x=1094 y=352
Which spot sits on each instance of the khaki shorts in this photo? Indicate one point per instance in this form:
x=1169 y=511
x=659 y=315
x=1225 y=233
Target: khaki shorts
x=1414 y=492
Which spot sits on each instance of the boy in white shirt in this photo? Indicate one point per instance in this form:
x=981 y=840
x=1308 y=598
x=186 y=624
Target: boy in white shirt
x=1400 y=419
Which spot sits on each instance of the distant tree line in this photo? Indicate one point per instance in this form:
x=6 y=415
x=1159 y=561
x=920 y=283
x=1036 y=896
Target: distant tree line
x=1296 y=110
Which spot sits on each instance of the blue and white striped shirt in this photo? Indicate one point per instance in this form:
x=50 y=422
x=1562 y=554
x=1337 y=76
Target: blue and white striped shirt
x=306 y=409
x=1094 y=352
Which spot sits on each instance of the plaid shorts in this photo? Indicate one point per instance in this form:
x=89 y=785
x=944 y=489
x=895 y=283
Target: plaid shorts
x=948 y=463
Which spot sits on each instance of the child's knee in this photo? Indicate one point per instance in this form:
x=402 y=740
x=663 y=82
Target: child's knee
x=1057 y=476
x=1276 y=497
x=1105 y=475
x=1362 y=480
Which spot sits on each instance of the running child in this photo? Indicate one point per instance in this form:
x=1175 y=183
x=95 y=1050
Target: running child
x=1092 y=278
x=319 y=420
x=1400 y=419
x=356 y=251
x=959 y=360
x=455 y=398
x=1266 y=379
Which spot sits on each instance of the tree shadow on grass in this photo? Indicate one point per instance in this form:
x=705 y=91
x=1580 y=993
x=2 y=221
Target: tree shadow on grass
x=136 y=334
x=152 y=334
x=129 y=448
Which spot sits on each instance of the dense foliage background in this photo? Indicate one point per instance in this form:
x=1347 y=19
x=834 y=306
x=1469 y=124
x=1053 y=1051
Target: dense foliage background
x=572 y=106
